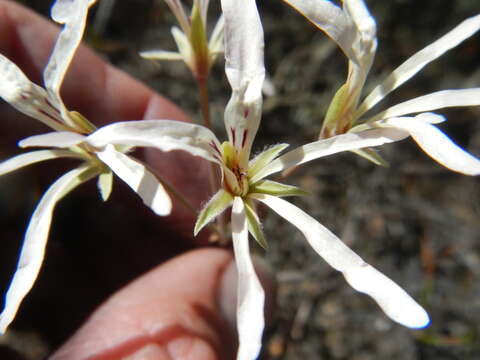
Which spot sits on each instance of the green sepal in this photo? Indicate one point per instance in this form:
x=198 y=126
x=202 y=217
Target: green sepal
x=87 y=174
x=217 y=204
x=264 y=158
x=82 y=122
x=254 y=226
x=371 y=155
x=105 y=182
x=274 y=188
x=199 y=41
x=337 y=105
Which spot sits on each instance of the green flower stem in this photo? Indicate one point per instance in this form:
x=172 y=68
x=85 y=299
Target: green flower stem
x=204 y=103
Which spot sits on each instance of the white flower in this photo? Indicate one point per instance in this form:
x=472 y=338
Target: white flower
x=244 y=183
x=71 y=129
x=193 y=47
x=354 y=30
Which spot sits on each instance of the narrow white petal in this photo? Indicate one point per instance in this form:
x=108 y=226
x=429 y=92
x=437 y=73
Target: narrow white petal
x=329 y=18
x=357 y=10
x=33 y=249
x=436 y=144
x=58 y=139
x=25 y=96
x=33 y=157
x=179 y=12
x=241 y=123
x=243 y=35
x=215 y=44
x=365 y=43
x=321 y=148
x=137 y=176
x=415 y=63
x=352 y=28
x=393 y=300
x=161 y=55
x=434 y=101
x=245 y=70
x=250 y=294
x=73 y=14
x=165 y=135
x=183 y=45
x=204 y=9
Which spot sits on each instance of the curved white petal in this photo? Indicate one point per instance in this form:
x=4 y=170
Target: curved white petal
x=245 y=70
x=434 y=101
x=73 y=14
x=393 y=300
x=329 y=18
x=415 y=63
x=19 y=161
x=165 y=135
x=250 y=294
x=335 y=144
x=352 y=28
x=25 y=96
x=140 y=180
x=58 y=139
x=436 y=144
x=33 y=249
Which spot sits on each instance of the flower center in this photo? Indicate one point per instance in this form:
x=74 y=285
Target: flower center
x=235 y=176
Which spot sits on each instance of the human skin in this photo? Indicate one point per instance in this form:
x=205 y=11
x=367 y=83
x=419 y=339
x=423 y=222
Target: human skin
x=183 y=308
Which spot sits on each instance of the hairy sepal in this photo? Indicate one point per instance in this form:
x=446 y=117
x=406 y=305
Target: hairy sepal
x=217 y=204
x=254 y=226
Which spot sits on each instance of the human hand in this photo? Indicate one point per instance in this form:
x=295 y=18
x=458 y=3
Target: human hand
x=91 y=256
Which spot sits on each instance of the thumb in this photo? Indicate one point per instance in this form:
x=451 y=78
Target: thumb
x=172 y=312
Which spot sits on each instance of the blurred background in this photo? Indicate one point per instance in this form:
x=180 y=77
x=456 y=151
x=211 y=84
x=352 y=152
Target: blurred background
x=415 y=221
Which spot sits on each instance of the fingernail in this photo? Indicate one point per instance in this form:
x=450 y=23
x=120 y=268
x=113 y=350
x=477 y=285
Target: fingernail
x=149 y=352
x=190 y=348
x=227 y=296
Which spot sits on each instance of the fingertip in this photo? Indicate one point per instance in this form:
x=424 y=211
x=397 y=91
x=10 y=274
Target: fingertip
x=171 y=311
